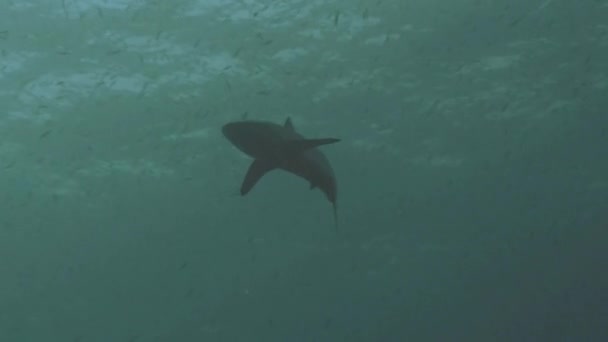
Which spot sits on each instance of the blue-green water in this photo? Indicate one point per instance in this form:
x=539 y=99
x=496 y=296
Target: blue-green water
x=472 y=171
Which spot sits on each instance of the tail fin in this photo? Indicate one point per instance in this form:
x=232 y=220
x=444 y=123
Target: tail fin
x=335 y=216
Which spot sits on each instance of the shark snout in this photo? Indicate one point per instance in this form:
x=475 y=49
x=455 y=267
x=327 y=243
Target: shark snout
x=228 y=131
x=234 y=132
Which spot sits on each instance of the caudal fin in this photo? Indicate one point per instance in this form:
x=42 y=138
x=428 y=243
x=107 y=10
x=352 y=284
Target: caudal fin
x=335 y=216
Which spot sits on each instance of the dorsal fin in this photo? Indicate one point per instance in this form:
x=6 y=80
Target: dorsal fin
x=289 y=125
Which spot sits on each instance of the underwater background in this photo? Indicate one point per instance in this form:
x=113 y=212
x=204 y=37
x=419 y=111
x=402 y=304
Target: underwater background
x=472 y=171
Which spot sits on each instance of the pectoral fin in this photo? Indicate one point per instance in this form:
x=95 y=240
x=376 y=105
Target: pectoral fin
x=298 y=146
x=256 y=170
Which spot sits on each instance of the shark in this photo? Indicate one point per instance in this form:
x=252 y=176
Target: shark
x=273 y=146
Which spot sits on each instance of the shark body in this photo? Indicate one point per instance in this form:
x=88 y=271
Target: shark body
x=274 y=146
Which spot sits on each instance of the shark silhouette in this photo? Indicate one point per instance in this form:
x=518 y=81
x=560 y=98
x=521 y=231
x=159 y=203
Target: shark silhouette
x=280 y=147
